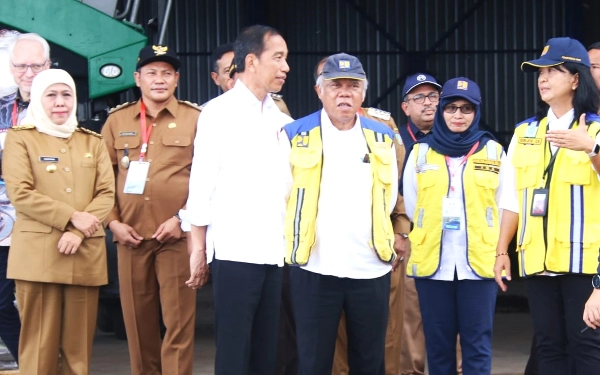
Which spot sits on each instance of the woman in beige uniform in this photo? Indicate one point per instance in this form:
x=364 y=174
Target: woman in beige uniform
x=60 y=181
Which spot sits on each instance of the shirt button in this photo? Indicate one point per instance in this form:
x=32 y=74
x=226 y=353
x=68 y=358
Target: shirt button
x=62 y=151
x=151 y=142
x=147 y=179
x=150 y=160
x=147 y=198
x=177 y=141
x=154 y=124
x=67 y=169
x=126 y=145
x=68 y=190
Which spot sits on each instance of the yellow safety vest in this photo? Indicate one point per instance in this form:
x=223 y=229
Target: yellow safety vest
x=480 y=181
x=306 y=159
x=570 y=241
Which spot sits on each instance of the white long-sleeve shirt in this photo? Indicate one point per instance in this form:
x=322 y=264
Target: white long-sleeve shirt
x=240 y=178
x=344 y=217
x=454 y=242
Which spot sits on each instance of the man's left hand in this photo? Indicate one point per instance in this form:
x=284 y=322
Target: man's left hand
x=400 y=247
x=169 y=231
x=591 y=314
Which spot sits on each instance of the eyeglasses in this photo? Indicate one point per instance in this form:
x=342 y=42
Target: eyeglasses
x=465 y=109
x=22 y=68
x=434 y=97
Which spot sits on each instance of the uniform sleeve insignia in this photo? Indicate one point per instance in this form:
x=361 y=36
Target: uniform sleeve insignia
x=190 y=104
x=276 y=96
x=88 y=131
x=23 y=127
x=385 y=116
x=121 y=106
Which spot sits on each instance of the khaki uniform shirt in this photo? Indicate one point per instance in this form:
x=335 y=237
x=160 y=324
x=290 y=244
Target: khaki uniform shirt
x=170 y=151
x=400 y=220
x=47 y=179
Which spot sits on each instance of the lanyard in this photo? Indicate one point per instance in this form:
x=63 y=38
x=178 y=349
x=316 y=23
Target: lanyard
x=410 y=132
x=463 y=161
x=145 y=131
x=15 y=113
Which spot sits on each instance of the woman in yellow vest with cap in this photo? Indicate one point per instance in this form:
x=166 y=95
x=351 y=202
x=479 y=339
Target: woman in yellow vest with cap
x=550 y=200
x=451 y=181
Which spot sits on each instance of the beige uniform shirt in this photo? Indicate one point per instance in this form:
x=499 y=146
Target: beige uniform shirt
x=47 y=179
x=170 y=151
x=400 y=220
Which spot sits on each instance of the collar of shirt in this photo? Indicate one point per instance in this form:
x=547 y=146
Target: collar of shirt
x=561 y=123
x=171 y=107
x=327 y=125
x=246 y=96
x=416 y=131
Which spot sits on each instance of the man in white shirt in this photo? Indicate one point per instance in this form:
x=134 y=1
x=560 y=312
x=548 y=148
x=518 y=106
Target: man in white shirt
x=338 y=229
x=238 y=189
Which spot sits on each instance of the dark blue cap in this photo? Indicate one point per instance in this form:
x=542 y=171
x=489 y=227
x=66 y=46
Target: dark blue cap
x=417 y=80
x=558 y=51
x=342 y=65
x=462 y=87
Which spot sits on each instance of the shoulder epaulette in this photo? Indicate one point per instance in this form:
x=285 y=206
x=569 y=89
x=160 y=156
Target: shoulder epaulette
x=193 y=105
x=23 y=127
x=88 y=131
x=276 y=96
x=385 y=116
x=121 y=106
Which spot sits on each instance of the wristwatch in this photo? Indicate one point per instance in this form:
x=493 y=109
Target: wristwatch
x=404 y=235
x=596 y=281
x=595 y=151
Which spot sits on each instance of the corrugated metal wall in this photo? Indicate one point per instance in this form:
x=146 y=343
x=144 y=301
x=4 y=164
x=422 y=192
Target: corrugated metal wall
x=485 y=40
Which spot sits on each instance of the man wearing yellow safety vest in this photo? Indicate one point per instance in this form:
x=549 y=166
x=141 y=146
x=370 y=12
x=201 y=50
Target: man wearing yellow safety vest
x=338 y=229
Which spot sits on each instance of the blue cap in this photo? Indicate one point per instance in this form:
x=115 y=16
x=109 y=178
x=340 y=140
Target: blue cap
x=416 y=80
x=462 y=87
x=558 y=51
x=342 y=65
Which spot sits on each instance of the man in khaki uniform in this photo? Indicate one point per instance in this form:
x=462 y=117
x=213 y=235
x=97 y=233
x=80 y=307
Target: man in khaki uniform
x=401 y=225
x=150 y=143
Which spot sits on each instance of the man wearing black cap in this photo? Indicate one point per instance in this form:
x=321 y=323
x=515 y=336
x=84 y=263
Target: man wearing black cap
x=150 y=143
x=338 y=228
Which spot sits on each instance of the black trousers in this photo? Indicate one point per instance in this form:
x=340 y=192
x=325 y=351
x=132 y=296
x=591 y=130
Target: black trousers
x=10 y=323
x=318 y=301
x=247 y=298
x=287 y=350
x=557 y=304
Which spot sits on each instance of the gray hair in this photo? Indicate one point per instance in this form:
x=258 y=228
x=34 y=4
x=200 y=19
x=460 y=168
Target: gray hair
x=321 y=80
x=29 y=36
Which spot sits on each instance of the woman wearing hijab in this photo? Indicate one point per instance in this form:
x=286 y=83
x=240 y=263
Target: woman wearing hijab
x=451 y=181
x=550 y=199
x=61 y=183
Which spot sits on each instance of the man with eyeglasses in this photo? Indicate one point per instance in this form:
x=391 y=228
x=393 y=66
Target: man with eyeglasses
x=28 y=55
x=421 y=94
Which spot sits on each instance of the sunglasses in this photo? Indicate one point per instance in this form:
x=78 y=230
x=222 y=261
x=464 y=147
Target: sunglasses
x=465 y=109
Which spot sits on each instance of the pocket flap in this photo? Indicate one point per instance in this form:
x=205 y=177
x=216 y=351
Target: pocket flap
x=180 y=140
x=122 y=143
x=305 y=158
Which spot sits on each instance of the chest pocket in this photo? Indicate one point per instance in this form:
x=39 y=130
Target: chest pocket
x=577 y=169
x=177 y=150
x=528 y=163
x=304 y=161
x=384 y=157
x=131 y=144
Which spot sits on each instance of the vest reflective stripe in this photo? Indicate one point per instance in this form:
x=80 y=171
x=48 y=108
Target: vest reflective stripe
x=480 y=180
x=306 y=158
x=572 y=237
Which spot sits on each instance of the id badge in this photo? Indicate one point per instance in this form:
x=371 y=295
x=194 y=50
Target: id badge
x=136 y=177
x=451 y=214
x=539 y=202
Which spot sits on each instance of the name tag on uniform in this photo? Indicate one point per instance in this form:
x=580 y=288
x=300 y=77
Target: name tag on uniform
x=451 y=214
x=49 y=159
x=127 y=134
x=136 y=177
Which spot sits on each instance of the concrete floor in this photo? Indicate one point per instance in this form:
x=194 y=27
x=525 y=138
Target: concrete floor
x=511 y=343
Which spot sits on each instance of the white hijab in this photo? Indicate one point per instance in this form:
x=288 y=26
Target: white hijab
x=36 y=115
